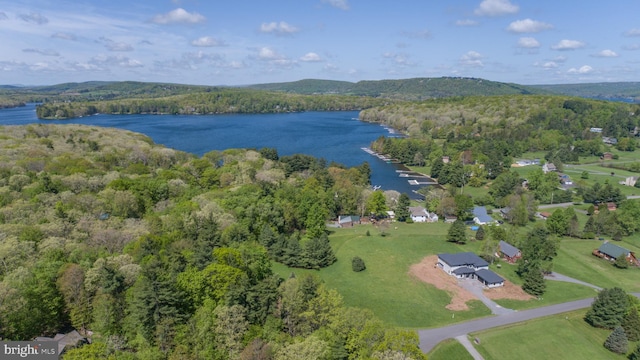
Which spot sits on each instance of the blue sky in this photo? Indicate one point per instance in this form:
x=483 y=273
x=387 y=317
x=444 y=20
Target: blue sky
x=258 y=41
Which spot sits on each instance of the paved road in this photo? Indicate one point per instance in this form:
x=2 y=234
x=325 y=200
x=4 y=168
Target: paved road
x=431 y=337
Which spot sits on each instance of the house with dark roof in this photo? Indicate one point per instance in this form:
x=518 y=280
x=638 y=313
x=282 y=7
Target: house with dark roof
x=481 y=217
x=468 y=265
x=489 y=279
x=509 y=252
x=66 y=341
x=612 y=251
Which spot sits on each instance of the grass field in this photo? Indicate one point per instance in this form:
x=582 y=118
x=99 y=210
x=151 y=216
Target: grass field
x=395 y=297
x=557 y=292
x=575 y=259
x=449 y=350
x=565 y=336
x=385 y=286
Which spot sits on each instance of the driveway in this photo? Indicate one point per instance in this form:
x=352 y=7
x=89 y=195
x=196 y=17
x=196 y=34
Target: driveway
x=475 y=287
x=429 y=338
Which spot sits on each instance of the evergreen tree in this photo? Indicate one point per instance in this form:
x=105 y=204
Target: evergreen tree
x=357 y=264
x=480 y=233
x=534 y=282
x=635 y=355
x=631 y=324
x=436 y=168
x=402 y=210
x=457 y=232
x=608 y=309
x=317 y=253
x=617 y=342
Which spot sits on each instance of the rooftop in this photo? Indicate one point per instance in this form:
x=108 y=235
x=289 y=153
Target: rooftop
x=463 y=259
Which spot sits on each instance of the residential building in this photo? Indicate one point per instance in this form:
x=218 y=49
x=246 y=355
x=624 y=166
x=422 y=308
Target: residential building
x=469 y=265
x=548 y=167
x=509 y=252
x=481 y=217
x=612 y=251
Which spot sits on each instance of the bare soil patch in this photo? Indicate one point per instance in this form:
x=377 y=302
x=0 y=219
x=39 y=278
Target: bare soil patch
x=428 y=272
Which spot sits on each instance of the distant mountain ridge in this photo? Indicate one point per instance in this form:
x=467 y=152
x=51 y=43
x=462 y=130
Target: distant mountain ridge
x=406 y=89
x=400 y=89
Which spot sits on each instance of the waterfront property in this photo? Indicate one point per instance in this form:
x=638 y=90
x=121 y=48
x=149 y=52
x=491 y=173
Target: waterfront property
x=420 y=214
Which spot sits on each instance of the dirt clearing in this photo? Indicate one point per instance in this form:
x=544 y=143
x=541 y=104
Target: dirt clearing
x=428 y=271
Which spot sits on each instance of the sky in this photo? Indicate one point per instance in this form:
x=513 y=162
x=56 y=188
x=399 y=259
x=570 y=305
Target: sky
x=241 y=42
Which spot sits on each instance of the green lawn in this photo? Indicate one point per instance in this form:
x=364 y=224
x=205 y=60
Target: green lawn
x=385 y=286
x=450 y=350
x=565 y=336
x=557 y=292
x=575 y=259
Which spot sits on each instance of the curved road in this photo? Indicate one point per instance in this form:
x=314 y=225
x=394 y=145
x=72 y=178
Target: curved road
x=429 y=338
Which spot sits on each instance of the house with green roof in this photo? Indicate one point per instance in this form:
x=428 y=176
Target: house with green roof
x=612 y=251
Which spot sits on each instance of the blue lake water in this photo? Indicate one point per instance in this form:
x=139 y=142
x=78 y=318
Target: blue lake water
x=334 y=136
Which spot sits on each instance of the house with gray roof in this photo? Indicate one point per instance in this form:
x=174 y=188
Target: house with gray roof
x=348 y=221
x=509 y=252
x=469 y=265
x=481 y=217
x=612 y=251
x=420 y=214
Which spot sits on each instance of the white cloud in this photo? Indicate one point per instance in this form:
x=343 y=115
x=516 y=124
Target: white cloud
x=3 y=15
x=115 y=45
x=267 y=53
x=528 y=43
x=45 y=52
x=119 y=60
x=398 y=59
x=568 y=45
x=585 y=69
x=496 y=8
x=207 y=41
x=311 y=57
x=64 y=36
x=34 y=18
x=278 y=28
x=632 y=47
x=178 y=15
x=472 y=59
x=340 y=4
x=548 y=65
x=466 y=22
x=633 y=32
x=606 y=53
x=528 y=26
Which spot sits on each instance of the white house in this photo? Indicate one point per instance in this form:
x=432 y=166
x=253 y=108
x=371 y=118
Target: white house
x=631 y=181
x=420 y=214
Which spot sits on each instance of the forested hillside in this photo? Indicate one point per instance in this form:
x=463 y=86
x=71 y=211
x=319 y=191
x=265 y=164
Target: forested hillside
x=406 y=89
x=216 y=101
x=627 y=91
x=160 y=254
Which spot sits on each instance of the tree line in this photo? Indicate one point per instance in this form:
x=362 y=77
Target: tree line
x=165 y=255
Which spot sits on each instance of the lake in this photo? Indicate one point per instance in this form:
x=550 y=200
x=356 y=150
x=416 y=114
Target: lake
x=334 y=136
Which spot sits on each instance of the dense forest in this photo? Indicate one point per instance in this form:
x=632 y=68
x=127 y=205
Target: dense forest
x=159 y=254
x=216 y=101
